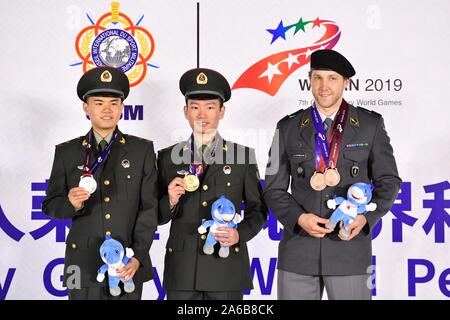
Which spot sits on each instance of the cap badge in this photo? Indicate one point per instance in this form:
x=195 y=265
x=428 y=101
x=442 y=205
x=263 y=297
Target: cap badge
x=202 y=78
x=106 y=76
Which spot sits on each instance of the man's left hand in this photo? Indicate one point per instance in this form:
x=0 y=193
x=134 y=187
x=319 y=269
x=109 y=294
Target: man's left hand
x=228 y=236
x=355 y=227
x=127 y=272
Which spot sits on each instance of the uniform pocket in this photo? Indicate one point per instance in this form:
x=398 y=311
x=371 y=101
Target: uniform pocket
x=175 y=245
x=357 y=155
x=228 y=186
x=128 y=184
x=302 y=163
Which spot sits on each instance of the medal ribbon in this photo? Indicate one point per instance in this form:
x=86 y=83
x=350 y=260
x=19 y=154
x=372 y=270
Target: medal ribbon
x=337 y=134
x=323 y=155
x=98 y=162
x=197 y=167
x=322 y=148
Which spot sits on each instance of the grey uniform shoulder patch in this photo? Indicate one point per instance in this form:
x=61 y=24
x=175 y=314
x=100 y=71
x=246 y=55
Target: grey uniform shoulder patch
x=371 y=112
x=291 y=116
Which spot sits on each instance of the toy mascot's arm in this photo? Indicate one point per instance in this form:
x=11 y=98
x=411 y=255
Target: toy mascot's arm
x=332 y=203
x=129 y=253
x=205 y=224
x=101 y=273
x=368 y=207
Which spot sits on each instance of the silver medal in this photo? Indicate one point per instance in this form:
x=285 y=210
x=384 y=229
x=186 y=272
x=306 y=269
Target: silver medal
x=88 y=183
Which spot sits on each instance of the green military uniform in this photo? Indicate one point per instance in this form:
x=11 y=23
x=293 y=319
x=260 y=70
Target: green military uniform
x=189 y=273
x=123 y=206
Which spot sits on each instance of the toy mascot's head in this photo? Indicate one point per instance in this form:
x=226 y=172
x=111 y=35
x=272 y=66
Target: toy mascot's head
x=223 y=210
x=360 y=193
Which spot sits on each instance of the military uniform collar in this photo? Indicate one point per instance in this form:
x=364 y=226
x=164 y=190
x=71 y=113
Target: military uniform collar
x=120 y=138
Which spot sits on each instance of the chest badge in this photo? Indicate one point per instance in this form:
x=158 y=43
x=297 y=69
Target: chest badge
x=226 y=169
x=125 y=163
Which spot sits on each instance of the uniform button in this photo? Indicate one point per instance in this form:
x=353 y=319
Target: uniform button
x=204 y=203
x=205 y=187
x=236 y=250
x=74 y=246
x=228 y=184
x=203 y=237
x=108 y=233
x=106 y=199
x=106 y=182
x=170 y=249
x=107 y=216
x=128 y=177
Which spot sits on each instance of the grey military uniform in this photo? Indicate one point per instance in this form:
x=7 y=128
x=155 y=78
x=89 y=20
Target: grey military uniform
x=366 y=146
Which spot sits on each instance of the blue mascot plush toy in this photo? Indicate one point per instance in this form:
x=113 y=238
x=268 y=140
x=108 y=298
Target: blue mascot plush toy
x=224 y=215
x=115 y=257
x=357 y=202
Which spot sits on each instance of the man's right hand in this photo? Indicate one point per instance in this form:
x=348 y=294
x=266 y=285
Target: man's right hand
x=310 y=223
x=175 y=190
x=77 y=196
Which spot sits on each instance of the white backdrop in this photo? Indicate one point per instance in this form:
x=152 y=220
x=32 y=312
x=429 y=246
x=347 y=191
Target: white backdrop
x=399 y=50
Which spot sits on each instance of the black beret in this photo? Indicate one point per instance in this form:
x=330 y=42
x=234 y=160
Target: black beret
x=332 y=60
x=204 y=82
x=103 y=81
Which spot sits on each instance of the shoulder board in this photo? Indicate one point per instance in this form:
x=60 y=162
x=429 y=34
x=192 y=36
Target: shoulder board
x=292 y=115
x=79 y=139
x=369 y=111
x=129 y=136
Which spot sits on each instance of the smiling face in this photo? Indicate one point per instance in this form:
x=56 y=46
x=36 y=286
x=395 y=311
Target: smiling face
x=104 y=113
x=327 y=88
x=204 y=115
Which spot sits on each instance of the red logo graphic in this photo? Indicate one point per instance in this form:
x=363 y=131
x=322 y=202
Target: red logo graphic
x=269 y=74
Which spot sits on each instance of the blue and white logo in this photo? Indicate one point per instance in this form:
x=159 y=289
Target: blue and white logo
x=115 y=48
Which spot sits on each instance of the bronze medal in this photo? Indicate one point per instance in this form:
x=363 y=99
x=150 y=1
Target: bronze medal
x=192 y=182
x=332 y=177
x=317 y=181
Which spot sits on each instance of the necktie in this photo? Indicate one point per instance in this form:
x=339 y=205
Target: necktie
x=327 y=125
x=102 y=145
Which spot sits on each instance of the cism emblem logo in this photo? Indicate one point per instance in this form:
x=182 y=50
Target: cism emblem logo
x=269 y=73
x=114 y=40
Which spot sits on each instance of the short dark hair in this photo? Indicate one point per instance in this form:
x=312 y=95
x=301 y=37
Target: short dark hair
x=204 y=97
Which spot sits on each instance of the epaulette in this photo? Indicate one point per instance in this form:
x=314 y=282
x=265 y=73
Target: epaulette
x=127 y=136
x=369 y=111
x=292 y=115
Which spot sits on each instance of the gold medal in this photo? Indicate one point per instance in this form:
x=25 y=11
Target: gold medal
x=332 y=177
x=317 y=181
x=192 y=182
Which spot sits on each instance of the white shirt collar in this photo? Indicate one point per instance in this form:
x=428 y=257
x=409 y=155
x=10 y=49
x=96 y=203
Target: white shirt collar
x=323 y=117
